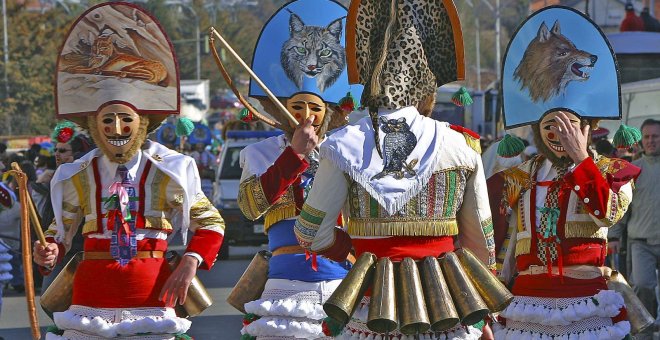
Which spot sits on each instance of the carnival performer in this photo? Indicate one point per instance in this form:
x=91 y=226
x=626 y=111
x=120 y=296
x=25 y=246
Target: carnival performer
x=409 y=186
x=278 y=172
x=561 y=201
x=117 y=77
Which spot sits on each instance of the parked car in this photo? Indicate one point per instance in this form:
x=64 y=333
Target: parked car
x=238 y=229
x=225 y=101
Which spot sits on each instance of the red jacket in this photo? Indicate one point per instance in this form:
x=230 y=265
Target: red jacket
x=631 y=23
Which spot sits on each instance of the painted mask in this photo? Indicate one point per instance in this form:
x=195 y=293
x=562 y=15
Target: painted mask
x=550 y=138
x=304 y=105
x=119 y=131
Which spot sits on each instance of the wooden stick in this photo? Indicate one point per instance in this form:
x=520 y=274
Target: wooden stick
x=21 y=179
x=270 y=95
x=231 y=85
x=34 y=216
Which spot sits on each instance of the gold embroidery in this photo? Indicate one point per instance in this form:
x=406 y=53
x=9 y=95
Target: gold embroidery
x=159 y=185
x=252 y=199
x=83 y=165
x=157 y=158
x=178 y=200
x=81 y=184
x=205 y=214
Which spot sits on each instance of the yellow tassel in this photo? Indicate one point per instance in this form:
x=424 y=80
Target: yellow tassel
x=279 y=213
x=585 y=229
x=523 y=246
x=403 y=228
x=472 y=142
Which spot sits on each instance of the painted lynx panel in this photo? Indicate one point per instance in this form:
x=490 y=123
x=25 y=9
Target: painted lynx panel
x=313 y=52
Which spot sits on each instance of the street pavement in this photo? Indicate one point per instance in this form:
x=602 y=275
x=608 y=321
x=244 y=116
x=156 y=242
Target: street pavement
x=219 y=322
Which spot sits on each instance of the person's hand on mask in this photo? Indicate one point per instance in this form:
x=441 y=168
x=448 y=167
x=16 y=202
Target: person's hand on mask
x=573 y=139
x=304 y=138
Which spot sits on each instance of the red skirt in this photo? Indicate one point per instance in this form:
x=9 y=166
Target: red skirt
x=106 y=284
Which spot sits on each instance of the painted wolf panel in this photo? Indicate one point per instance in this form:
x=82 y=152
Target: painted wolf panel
x=550 y=62
x=313 y=52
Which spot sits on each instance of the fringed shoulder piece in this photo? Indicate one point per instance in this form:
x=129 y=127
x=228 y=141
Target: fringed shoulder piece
x=471 y=138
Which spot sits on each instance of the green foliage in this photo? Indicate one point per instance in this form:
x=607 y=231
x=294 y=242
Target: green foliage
x=34 y=40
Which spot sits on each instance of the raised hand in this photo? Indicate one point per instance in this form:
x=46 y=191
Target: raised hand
x=304 y=138
x=572 y=138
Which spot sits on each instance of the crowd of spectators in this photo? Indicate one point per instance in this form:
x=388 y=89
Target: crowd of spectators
x=644 y=22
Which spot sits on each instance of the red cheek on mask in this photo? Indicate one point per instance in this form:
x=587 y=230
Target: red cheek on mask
x=551 y=135
x=106 y=129
x=127 y=129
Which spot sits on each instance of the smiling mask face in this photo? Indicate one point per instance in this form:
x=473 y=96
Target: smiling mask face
x=119 y=131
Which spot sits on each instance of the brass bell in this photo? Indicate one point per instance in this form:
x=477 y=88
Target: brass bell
x=252 y=283
x=441 y=309
x=382 y=307
x=492 y=290
x=344 y=300
x=639 y=317
x=197 y=298
x=58 y=296
x=471 y=307
x=410 y=299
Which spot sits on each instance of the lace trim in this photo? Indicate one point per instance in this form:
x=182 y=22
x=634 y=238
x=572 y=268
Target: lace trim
x=113 y=322
x=563 y=311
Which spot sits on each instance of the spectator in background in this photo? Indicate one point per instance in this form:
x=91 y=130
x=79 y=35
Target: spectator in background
x=651 y=24
x=603 y=147
x=70 y=146
x=3 y=153
x=33 y=152
x=641 y=222
x=631 y=22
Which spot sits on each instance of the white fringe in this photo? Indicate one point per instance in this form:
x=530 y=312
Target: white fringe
x=99 y=326
x=298 y=328
x=286 y=307
x=609 y=305
x=391 y=206
x=459 y=334
x=615 y=332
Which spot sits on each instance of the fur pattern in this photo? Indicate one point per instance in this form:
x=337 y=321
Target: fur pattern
x=314 y=52
x=550 y=62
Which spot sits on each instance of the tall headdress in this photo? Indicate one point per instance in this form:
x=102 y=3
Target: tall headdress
x=116 y=53
x=301 y=49
x=558 y=59
x=403 y=50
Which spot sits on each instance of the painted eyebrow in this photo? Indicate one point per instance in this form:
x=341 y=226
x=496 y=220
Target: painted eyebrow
x=554 y=121
x=121 y=114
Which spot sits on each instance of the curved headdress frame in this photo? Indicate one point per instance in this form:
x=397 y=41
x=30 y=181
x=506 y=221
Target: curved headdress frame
x=116 y=53
x=558 y=59
x=375 y=37
x=301 y=50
